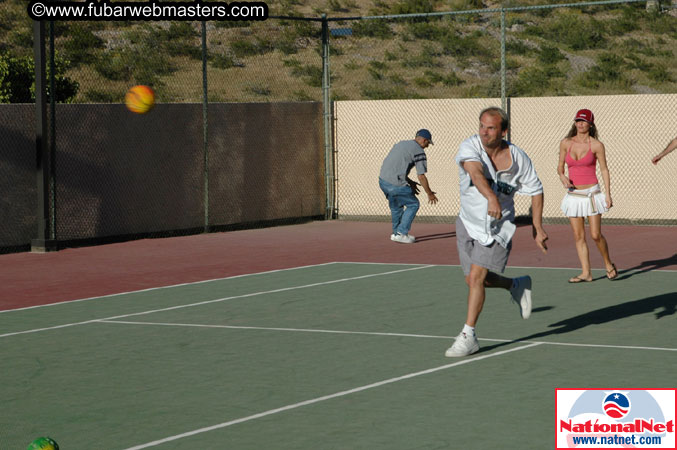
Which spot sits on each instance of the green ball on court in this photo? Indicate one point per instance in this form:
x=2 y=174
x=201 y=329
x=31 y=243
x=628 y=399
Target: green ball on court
x=43 y=443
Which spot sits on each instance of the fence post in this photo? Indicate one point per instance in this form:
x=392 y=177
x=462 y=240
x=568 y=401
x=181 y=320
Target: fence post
x=326 y=105
x=42 y=243
x=503 y=76
x=205 y=147
x=52 y=134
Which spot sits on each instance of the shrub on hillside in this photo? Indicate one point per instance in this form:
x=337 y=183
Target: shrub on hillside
x=474 y=44
x=259 y=46
x=609 y=69
x=137 y=63
x=450 y=79
x=574 y=30
x=379 y=91
x=660 y=74
x=550 y=55
x=221 y=61
x=17 y=80
x=535 y=81
x=82 y=45
x=412 y=7
x=377 y=28
x=427 y=31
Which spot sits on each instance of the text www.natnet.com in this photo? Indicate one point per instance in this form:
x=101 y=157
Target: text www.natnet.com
x=616 y=440
x=104 y=10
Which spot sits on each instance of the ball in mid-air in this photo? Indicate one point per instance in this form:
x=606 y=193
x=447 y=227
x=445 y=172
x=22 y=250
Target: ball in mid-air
x=140 y=99
x=43 y=443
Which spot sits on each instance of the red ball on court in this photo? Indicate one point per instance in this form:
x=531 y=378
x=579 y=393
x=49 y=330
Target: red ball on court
x=140 y=99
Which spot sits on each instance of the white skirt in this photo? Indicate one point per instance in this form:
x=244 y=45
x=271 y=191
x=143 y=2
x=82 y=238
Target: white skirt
x=584 y=202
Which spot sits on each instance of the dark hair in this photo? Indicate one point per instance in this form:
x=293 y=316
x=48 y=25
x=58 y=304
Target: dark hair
x=496 y=111
x=573 y=131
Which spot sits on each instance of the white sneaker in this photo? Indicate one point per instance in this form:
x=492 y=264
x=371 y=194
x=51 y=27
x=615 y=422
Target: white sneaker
x=403 y=238
x=521 y=294
x=464 y=345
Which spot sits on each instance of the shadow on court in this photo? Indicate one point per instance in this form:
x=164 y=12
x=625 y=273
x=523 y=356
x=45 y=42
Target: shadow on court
x=661 y=305
x=647 y=266
x=430 y=237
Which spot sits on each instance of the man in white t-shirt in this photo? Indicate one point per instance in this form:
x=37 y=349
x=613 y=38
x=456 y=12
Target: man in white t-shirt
x=491 y=171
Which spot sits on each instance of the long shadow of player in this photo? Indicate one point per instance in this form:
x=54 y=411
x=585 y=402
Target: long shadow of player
x=430 y=237
x=661 y=305
x=647 y=266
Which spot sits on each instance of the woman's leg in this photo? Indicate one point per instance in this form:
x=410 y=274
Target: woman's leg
x=600 y=241
x=578 y=226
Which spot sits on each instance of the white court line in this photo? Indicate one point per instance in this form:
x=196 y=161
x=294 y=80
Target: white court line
x=206 y=302
x=287 y=269
x=326 y=397
x=167 y=287
x=376 y=333
x=507 y=267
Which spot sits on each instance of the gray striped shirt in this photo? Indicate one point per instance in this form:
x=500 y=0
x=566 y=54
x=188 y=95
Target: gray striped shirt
x=402 y=157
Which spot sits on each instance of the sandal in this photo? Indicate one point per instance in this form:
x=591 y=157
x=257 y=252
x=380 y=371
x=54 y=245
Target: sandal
x=613 y=271
x=579 y=280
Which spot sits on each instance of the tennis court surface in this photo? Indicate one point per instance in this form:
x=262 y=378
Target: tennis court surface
x=297 y=346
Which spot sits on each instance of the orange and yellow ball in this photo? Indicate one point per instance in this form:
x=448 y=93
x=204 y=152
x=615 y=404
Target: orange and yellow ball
x=140 y=99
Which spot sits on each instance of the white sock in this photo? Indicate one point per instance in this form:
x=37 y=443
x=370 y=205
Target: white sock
x=468 y=330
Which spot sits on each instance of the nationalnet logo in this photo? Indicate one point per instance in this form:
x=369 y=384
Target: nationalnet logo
x=615 y=418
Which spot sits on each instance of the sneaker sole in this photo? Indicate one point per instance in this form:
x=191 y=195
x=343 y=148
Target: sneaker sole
x=525 y=302
x=450 y=354
x=399 y=241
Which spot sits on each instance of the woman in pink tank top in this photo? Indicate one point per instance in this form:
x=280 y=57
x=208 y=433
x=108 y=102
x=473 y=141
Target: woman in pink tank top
x=580 y=151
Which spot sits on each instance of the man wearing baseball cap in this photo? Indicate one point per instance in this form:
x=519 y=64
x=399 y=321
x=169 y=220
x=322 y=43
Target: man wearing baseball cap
x=399 y=189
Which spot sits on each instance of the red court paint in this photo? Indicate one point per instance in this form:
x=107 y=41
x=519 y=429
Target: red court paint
x=28 y=279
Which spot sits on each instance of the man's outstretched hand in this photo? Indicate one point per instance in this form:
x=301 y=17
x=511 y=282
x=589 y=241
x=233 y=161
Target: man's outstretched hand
x=540 y=236
x=414 y=186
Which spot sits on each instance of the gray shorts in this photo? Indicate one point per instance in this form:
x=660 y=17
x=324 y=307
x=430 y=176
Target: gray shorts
x=493 y=257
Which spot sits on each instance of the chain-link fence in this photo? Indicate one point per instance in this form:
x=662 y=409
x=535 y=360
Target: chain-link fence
x=252 y=101
x=634 y=128
x=96 y=62
x=17 y=178
x=122 y=175
x=541 y=63
x=248 y=153
x=537 y=50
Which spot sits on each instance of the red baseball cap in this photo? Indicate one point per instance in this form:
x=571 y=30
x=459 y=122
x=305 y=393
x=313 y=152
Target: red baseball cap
x=585 y=114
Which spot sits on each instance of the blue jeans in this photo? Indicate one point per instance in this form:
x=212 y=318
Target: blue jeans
x=403 y=205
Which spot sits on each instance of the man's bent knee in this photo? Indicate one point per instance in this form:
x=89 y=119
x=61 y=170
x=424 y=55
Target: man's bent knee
x=477 y=276
x=413 y=205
